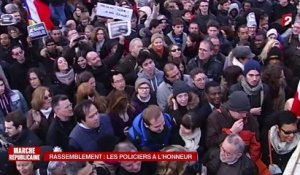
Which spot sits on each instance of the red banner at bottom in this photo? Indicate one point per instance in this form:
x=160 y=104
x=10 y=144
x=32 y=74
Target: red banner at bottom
x=120 y=156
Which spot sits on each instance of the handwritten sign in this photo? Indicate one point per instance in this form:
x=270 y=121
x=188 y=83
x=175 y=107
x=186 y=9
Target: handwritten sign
x=38 y=30
x=114 y=12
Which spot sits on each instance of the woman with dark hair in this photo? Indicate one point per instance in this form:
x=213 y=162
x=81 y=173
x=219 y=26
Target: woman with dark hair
x=41 y=114
x=26 y=168
x=79 y=11
x=192 y=46
x=80 y=64
x=63 y=79
x=274 y=77
x=190 y=133
x=101 y=42
x=176 y=56
x=36 y=78
x=231 y=75
x=182 y=101
x=281 y=140
x=88 y=77
x=121 y=113
x=10 y=100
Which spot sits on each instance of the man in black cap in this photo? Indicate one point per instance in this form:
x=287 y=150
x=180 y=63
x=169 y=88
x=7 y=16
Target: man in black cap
x=233 y=118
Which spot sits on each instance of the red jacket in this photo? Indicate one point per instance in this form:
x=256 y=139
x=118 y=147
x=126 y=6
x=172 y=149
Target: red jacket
x=218 y=127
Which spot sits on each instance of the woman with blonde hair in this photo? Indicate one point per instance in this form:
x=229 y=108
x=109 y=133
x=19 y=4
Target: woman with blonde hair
x=159 y=50
x=121 y=113
x=41 y=114
x=86 y=91
x=172 y=167
x=264 y=53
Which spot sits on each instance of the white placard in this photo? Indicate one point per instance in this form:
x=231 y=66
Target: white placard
x=119 y=28
x=114 y=12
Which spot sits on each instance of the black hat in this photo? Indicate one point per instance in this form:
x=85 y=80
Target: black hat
x=238 y=101
x=274 y=53
x=179 y=87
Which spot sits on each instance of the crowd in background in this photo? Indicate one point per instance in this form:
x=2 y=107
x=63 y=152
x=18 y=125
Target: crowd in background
x=214 y=77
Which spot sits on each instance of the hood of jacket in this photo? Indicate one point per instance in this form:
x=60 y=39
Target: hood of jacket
x=232 y=7
x=147 y=10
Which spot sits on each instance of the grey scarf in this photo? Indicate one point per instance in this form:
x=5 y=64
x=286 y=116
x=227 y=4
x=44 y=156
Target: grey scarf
x=251 y=90
x=282 y=147
x=66 y=78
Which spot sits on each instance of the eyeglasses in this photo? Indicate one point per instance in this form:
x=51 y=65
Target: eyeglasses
x=47 y=97
x=289 y=132
x=174 y=50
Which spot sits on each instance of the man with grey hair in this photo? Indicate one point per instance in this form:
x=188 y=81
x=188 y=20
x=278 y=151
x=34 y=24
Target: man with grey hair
x=230 y=158
x=128 y=65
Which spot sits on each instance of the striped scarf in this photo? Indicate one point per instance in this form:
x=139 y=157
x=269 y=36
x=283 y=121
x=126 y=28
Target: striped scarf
x=5 y=104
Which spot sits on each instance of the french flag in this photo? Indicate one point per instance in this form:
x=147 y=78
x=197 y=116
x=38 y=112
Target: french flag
x=296 y=104
x=38 y=11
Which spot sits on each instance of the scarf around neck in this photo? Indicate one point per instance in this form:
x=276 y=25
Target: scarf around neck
x=159 y=52
x=5 y=104
x=191 y=141
x=66 y=78
x=46 y=112
x=282 y=147
x=251 y=90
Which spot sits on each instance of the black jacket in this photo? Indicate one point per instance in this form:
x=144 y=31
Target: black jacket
x=26 y=138
x=213 y=68
x=255 y=102
x=58 y=133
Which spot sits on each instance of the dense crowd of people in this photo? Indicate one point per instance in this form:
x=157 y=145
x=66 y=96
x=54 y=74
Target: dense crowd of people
x=213 y=77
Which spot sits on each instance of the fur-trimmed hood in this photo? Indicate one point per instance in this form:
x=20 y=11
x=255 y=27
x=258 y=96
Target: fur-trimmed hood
x=192 y=104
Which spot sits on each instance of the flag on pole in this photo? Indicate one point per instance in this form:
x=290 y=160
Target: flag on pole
x=296 y=104
x=38 y=11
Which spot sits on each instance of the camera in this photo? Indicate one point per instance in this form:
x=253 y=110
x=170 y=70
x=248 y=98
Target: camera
x=82 y=37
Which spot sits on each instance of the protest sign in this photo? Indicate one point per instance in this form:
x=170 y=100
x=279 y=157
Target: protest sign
x=119 y=28
x=36 y=31
x=114 y=12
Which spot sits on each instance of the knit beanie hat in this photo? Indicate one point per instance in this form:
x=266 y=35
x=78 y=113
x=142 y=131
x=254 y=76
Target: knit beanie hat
x=238 y=101
x=141 y=81
x=251 y=20
x=272 y=32
x=251 y=65
x=179 y=87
